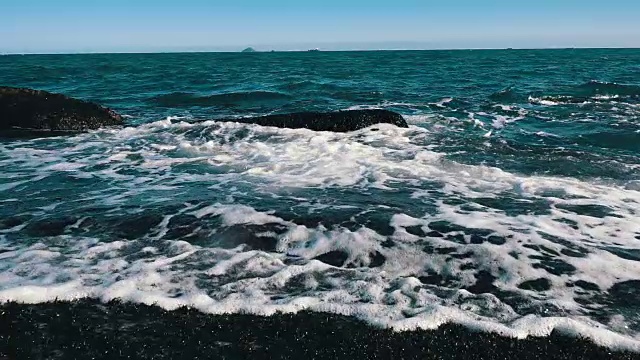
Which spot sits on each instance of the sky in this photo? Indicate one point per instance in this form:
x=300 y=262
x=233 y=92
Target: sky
x=70 y=26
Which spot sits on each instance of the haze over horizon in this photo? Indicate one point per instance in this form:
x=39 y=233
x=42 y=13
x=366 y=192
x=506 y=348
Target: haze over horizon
x=72 y=26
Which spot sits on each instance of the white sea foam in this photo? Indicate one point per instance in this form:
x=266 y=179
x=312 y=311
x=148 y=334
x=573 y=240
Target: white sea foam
x=34 y=275
x=443 y=102
x=546 y=102
x=282 y=164
x=606 y=97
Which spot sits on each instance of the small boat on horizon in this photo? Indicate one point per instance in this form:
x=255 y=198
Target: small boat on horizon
x=316 y=49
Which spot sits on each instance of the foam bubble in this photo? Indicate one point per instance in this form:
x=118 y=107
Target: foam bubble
x=376 y=224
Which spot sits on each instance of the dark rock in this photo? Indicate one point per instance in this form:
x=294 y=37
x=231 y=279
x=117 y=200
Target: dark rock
x=27 y=112
x=340 y=121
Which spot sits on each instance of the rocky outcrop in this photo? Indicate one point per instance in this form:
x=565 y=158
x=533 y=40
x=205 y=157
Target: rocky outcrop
x=27 y=111
x=340 y=121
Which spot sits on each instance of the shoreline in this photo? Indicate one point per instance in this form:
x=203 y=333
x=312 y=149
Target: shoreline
x=88 y=328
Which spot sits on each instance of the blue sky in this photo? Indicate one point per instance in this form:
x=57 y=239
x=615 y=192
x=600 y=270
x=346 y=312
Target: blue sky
x=199 y=25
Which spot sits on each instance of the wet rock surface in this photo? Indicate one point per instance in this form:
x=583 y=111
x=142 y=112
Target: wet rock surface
x=28 y=112
x=338 y=121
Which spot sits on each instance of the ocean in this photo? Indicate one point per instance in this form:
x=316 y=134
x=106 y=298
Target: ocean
x=511 y=204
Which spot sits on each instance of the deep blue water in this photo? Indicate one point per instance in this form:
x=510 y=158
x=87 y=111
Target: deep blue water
x=513 y=198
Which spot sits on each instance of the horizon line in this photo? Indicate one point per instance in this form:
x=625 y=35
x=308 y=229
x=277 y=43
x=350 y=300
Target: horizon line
x=176 y=51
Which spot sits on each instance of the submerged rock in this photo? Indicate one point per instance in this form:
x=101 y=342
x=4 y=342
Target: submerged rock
x=340 y=121
x=26 y=111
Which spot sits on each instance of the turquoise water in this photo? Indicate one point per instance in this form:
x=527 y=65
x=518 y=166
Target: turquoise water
x=511 y=202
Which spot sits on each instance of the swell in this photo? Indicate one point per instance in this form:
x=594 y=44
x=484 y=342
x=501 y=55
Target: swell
x=311 y=85
x=592 y=91
x=594 y=88
x=288 y=251
x=507 y=95
x=177 y=99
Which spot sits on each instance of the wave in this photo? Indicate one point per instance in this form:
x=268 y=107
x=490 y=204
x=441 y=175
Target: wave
x=310 y=85
x=231 y=217
x=590 y=92
x=449 y=103
x=508 y=95
x=596 y=88
x=557 y=100
x=177 y=99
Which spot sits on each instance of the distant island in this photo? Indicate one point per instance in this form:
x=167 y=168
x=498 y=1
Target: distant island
x=249 y=50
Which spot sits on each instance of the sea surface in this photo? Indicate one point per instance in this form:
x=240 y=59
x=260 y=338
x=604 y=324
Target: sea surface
x=510 y=204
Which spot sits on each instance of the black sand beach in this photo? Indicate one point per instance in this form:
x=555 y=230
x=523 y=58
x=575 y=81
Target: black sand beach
x=89 y=329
